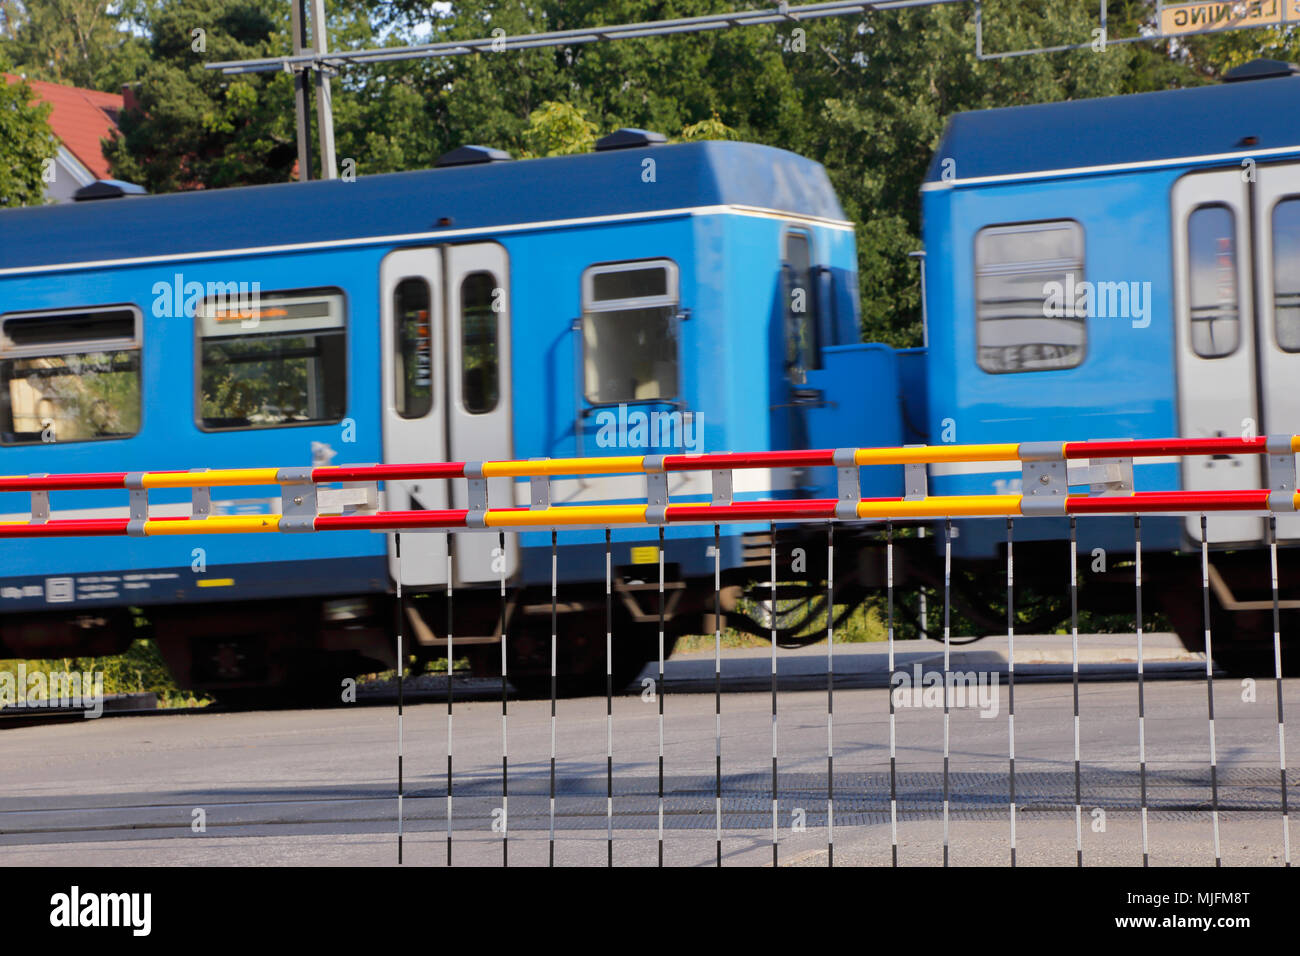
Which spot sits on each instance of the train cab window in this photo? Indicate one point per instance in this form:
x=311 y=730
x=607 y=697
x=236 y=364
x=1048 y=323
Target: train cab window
x=629 y=331
x=801 y=352
x=278 y=360
x=480 y=374
x=1286 y=274
x=1023 y=276
x=69 y=376
x=1212 y=281
x=414 y=354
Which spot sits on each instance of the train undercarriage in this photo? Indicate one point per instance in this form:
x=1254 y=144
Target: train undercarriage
x=303 y=650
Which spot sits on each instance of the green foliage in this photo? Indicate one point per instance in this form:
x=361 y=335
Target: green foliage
x=558 y=129
x=26 y=143
x=711 y=128
x=85 y=43
x=140 y=669
x=196 y=128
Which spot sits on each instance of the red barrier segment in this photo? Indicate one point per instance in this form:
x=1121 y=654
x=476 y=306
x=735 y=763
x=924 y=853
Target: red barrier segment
x=404 y=472
x=753 y=510
x=66 y=528
x=394 y=520
x=111 y=481
x=1157 y=501
x=1151 y=447
x=758 y=459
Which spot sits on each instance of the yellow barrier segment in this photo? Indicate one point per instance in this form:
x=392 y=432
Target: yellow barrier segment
x=565 y=466
x=943 y=506
x=1295 y=444
x=225 y=524
x=205 y=479
x=570 y=515
x=936 y=453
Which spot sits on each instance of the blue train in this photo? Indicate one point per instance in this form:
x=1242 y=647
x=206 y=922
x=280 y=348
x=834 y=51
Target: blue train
x=644 y=298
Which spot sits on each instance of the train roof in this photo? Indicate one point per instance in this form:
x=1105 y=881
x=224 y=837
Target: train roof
x=419 y=205
x=1134 y=130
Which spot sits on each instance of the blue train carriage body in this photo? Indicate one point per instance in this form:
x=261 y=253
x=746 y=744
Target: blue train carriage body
x=1117 y=268
x=633 y=300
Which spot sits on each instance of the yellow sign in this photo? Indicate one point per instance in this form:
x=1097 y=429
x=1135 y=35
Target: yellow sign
x=647 y=555
x=1226 y=15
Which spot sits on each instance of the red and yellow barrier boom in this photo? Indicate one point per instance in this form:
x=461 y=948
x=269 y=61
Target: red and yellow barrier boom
x=1044 y=477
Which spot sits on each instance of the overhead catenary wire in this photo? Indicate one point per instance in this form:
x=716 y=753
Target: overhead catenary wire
x=501 y=42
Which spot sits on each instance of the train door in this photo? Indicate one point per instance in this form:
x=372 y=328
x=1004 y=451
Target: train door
x=414 y=419
x=1215 y=337
x=479 y=426
x=801 y=339
x=446 y=381
x=1277 y=263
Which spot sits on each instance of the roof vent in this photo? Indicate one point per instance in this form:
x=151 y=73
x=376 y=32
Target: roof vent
x=1261 y=69
x=629 y=139
x=108 y=189
x=471 y=156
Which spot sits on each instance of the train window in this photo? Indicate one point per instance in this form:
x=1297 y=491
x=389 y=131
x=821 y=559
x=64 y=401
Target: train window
x=1286 y=274
x=69 y=376
x=800 y=315
x=480 y=376
x=1023 y=273
x=277 y=361
x=629 y=331
x=413 y=355
x=1212 y=281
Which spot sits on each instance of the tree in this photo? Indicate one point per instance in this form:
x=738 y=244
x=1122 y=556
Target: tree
x=84 y=43
x=196 y=128
x=27 y=147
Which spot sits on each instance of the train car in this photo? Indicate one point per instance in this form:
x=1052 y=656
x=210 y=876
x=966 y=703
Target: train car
x=643 y=298
x=1125 y=267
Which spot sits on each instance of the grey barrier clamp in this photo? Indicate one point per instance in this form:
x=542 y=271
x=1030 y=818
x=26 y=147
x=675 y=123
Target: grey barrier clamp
x=539 y=487
x=200 y=499
x=656 y=489
x=723 y=492
x=849 y=482
x=1110 y=476
x=297 y=499
x=916 y=483
x=1281 y=473
x=1043 y=478
x=40 y=503
x=478 y=495
x=139 y=503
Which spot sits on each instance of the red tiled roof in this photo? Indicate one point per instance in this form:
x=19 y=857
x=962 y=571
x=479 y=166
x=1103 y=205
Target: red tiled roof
x=80 y=119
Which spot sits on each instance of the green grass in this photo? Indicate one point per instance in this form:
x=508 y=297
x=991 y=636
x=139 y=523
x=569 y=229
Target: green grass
x=140 y=669
x=865 y=624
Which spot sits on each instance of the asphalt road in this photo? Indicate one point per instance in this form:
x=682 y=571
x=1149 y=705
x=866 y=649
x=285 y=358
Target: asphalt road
x=319 y=786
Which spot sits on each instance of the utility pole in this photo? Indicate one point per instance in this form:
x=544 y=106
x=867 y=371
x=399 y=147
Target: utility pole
x=324 y=105
x=299 y=28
